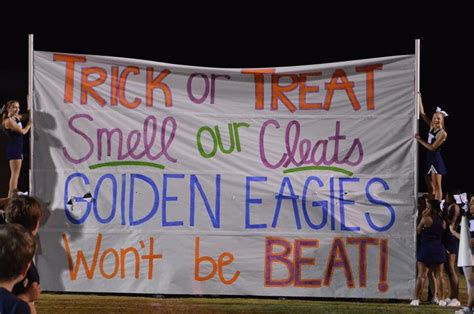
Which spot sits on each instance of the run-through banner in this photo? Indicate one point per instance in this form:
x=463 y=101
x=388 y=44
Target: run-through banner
x=172 y=179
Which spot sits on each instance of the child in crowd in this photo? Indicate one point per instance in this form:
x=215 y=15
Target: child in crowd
x=5 y=200
x=3 y=203
x=26 y=211
x=17 y=250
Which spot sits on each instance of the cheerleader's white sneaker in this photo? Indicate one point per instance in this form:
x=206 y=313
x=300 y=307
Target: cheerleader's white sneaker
x=415 y=302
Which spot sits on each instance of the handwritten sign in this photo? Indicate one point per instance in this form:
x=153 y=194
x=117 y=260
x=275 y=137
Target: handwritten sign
x=172 y=179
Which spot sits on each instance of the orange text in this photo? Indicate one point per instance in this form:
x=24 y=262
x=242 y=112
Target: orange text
x=339 y=81
x=114 y=80
x=115 y=259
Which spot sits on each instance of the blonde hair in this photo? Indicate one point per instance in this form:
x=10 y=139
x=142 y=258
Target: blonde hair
x=5 y=108
x=441 y=120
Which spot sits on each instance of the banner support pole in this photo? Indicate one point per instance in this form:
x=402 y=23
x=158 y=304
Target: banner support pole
x=417 y=109
x=416 y=128
x=30 y=108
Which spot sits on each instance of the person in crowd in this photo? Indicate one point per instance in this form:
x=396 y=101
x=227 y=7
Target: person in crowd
x=26 y=211
x=422 y=202
x=5 y=200
x=431 y=252
x=17 y=250
x=11 y=121
x=435 y=167
x=422 y=209
x=3 y=203
x=452 y=216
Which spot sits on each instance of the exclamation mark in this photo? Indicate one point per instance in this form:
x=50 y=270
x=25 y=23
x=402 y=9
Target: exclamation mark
x=383 y=284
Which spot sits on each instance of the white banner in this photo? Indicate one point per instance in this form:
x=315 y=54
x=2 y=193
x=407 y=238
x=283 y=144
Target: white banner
x=170 y=179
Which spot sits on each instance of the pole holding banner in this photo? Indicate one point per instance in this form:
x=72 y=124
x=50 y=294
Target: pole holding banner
x=417 y=77
x=417 y=107
x=417 y=113
x=30 y=108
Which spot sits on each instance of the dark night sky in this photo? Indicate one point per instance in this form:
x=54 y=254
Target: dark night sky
x=235 y=35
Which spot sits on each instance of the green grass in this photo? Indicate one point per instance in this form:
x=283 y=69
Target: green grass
x=70 y=303
x=80 y=303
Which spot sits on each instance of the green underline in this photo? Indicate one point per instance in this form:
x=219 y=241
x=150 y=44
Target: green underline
x=326 y=168
x=126 y=163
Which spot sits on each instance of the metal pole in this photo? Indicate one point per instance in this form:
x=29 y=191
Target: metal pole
x=417 y=107
x=417 y=116
x=31 y=108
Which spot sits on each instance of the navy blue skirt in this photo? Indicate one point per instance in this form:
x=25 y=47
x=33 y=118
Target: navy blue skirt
x=431 y=253
x=15 y=151
x=435 y=160
x=451 y=243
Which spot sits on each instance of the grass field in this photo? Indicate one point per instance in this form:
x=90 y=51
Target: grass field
x=74 y=303
x=70 y=303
